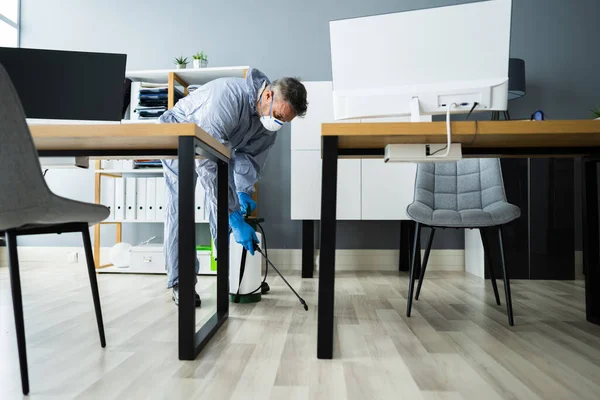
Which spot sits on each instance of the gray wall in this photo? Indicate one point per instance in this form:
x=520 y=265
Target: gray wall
x=291 y=38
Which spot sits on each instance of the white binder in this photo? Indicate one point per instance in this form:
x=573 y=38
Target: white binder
x=151 y=199
x=107 y=195
x=199 y=202
x=130 y=198
x=140 y=210
x=119 y=199
x=160 y=199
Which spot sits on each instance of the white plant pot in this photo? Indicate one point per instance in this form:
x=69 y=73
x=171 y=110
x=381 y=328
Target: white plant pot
x=181 y=66
x=196 y=63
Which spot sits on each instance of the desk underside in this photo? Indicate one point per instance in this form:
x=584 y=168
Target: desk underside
x=119 y=140
x=478 y=138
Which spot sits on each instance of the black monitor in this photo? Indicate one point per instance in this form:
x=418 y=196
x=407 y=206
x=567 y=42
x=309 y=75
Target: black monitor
x=73 y=85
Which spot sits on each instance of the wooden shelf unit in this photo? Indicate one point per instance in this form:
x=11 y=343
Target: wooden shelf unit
x=184 y=77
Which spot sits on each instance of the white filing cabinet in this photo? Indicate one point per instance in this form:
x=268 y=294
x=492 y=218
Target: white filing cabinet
x=387 y=189
x=306 y=186
x=368 y=189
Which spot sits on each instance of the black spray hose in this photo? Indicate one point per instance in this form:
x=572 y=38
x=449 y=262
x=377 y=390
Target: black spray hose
x=267 y=262
x=265 y=249
x=256 y=248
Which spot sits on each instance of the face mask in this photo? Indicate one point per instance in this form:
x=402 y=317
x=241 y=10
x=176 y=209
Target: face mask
x=269 y=122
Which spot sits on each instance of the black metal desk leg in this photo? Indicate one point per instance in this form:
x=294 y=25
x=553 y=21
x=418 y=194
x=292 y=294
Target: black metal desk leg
x=327 y=255
x=222 y=240
x=187 y=248
x=308 y=248
x=591 y=240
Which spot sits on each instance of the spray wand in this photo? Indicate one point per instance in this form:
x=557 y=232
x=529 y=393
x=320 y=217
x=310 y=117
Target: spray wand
x=256 y=248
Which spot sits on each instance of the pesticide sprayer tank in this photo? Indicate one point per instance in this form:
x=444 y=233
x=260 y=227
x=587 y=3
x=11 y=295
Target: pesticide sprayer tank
x=252 y=273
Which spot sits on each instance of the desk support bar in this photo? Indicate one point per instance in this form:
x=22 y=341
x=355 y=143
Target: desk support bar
x=222 y=238
x=327 y=249
x=187 y=248
x=191 y=342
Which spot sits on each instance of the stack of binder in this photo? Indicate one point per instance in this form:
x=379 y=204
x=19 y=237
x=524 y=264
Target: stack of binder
x=150 y=100
x=142 y=199
x=140 y=164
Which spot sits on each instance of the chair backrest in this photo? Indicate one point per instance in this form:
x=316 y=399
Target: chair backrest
x=468 y=184
x=22 y=184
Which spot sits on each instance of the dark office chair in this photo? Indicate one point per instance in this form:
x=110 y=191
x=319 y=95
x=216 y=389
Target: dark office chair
x=465 y=194
x=28 y=207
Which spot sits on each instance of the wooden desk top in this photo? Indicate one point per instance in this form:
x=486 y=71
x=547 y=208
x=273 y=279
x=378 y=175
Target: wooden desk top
x=119 y=137
x=471 y=134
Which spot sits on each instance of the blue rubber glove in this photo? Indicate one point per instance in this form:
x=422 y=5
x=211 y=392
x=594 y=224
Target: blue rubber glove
x=246 y=203
x=242 y=232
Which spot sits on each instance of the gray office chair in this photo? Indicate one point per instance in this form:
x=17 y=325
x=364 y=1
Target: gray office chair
x=28 y=207
x=463 y=194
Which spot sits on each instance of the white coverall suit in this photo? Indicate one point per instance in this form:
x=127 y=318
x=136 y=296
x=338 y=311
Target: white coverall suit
x=226 y=109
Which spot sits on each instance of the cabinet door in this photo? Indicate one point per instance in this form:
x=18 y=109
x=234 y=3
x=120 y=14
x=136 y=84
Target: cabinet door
x=306 y=187
x=387 y=189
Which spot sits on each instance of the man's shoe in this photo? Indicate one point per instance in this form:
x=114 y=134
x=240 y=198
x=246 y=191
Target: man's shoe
x=176 y=296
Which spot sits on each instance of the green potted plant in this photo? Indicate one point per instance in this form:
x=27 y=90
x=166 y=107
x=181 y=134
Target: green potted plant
x=181 y=62
x=596 y=112
x=200 y=60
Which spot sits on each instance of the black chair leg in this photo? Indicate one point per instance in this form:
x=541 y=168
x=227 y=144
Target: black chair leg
x=509 y=310
x=15 y=283
x=425 y=260
x=413 y=267
x=89 y=256
x=411 y=240
x=488 y=263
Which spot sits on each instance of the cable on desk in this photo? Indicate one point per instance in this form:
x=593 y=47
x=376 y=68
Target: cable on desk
x=476 y=132
x=472 y=108
x=448 y=134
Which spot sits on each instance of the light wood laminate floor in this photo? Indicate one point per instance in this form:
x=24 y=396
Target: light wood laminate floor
x=457 y=345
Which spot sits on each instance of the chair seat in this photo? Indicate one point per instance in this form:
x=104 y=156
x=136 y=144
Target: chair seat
x=57 y=210
x=496 y=214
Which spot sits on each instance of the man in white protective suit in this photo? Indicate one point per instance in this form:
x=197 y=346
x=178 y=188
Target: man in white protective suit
x=244 y=114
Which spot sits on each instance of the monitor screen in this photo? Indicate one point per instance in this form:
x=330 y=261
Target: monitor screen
x=379 y=63
x=74 y=85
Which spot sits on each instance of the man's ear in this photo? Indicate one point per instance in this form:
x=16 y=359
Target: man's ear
x=268 y=94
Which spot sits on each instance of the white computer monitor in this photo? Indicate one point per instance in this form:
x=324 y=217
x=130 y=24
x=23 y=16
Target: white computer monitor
x=422 y=61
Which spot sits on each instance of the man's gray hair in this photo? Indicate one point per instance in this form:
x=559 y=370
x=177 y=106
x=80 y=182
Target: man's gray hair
x=292 y=91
